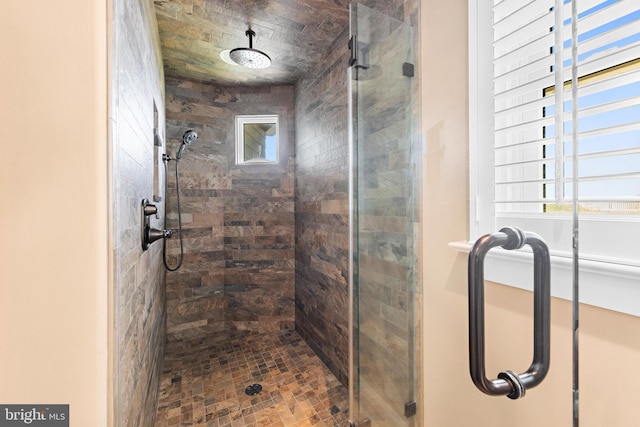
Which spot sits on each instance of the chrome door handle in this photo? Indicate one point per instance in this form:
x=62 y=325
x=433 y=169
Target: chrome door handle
x=509 y=383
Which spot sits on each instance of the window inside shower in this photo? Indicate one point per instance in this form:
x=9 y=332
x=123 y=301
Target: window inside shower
x=257 y=139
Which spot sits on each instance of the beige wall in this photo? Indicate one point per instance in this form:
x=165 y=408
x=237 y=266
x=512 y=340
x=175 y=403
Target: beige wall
x=53 y=183
x=609 y=341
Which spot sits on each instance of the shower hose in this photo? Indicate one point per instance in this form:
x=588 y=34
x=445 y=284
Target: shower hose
x=166 y=208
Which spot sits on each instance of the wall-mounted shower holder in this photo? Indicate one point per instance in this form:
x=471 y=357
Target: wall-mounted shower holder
x=149 y=234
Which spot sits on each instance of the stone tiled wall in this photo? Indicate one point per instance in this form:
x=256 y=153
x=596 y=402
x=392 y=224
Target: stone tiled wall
x=322 y=209
x=139 y=288
x=386 y=193
x=238 y=268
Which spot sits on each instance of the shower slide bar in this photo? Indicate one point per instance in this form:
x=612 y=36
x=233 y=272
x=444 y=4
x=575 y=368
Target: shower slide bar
x=508 y=382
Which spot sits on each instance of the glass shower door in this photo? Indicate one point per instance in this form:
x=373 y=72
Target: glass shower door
x=560 y=85
x=382 y=378
x=523 y=215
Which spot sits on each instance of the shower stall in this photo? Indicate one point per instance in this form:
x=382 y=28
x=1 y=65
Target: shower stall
x=383 y=220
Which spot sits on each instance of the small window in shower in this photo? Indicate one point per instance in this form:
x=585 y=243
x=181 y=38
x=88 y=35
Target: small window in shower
x=257 y=139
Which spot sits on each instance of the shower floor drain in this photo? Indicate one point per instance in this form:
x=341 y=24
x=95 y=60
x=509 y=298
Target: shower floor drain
x=253 y=389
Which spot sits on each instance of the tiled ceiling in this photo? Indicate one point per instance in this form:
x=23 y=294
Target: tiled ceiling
x=294 y=33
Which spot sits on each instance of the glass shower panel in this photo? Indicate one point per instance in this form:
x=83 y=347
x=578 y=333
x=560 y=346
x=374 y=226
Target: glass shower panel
x=606 y=180
x=524 y=363
x=382 y=379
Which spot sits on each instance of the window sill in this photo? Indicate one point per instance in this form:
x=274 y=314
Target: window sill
x=602 y=284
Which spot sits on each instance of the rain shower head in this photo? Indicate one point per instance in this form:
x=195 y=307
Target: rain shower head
x=248 y=56
x=188 y=138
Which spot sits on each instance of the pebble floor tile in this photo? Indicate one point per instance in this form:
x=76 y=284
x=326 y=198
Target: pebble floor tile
x=204 y=382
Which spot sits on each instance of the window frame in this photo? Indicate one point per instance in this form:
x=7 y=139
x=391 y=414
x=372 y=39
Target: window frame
x=622 y=279
x=240 y=122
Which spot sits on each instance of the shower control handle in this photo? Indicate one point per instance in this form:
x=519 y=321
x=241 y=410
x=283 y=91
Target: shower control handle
x=148 y=233
x=150 y=209
x=153 y=234
x=508 y=382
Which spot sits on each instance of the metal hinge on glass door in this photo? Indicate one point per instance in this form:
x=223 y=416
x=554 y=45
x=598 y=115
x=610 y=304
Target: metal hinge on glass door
x=359 y=57
x=410 y=409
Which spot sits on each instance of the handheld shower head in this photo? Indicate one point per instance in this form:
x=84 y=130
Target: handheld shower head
x=188 y=138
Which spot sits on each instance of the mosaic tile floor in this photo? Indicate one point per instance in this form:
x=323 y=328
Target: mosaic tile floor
x=204 y=382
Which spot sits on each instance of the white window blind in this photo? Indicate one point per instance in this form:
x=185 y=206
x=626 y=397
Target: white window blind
x=523 y=87
x=532 y=135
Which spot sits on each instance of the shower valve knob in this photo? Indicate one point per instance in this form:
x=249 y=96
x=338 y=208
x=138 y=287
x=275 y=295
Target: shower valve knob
x=153 y=234
x=150 y=209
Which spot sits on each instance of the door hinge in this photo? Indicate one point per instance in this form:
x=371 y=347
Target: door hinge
x=410 y=409
x=359 y=57
x=408 y=69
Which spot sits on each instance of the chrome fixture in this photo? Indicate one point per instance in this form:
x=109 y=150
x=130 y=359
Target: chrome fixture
x=509 y=383
x=149 y=234
x=188 y=138
x=248 y=56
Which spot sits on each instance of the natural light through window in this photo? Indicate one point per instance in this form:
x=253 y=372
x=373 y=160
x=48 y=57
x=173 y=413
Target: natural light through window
x=526 y=158
x=608 y=185
x=257 y=139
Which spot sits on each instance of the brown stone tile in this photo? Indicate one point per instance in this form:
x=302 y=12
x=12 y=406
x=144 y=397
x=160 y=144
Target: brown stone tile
x=204 y=383
x=234 y=216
